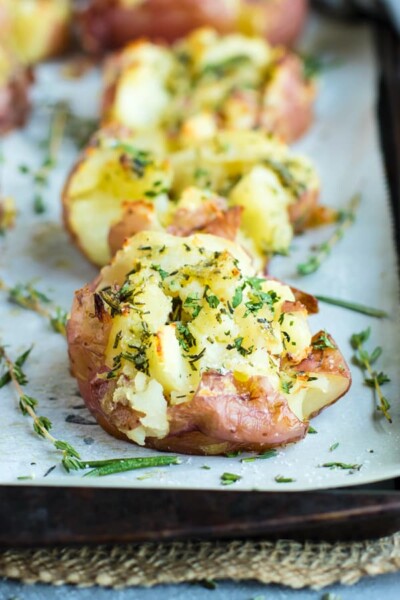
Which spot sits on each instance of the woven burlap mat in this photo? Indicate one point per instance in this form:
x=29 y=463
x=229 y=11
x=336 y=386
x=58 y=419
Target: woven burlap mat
x=288 y=563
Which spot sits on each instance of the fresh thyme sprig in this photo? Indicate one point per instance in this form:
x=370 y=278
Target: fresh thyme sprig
x=324 y=249
x=53 y=145
x=365 y=360
x=13 y=373
x=71 y=460
x=27 y=296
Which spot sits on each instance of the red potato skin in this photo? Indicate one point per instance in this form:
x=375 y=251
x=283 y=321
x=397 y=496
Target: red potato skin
x=250 y=413
x=294 y=114
x=279 y=21
x=137 y=216
x=14 y=100
x=107 y=25
x=300 y=212
x=213 y=217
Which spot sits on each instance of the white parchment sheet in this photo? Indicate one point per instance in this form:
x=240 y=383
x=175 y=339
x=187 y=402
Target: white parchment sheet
x=344 y=145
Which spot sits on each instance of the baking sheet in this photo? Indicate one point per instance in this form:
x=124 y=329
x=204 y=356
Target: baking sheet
x=344 y=146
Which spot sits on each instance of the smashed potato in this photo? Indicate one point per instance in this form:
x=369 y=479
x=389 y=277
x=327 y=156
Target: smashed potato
x=208 y=82
x=35 y=29
x=179 y=345
x=239 y=185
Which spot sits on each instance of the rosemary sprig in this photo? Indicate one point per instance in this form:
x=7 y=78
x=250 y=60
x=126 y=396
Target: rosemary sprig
x=361 y=308
x=363 y=359
x=120 y=465
x=324 y=249
x=41 y=425
x=27 y=296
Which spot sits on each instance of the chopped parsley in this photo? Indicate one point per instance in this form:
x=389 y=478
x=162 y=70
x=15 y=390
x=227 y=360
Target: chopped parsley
x=185 y=338
x=163 y=274
x=211 y=299
x=237 y=297
x=193 y=303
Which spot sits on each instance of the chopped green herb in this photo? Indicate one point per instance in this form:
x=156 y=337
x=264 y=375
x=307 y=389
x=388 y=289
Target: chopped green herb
x=287 y=386
x=340 y=465
x=193 y=303
x=193 y=358
x=237 y=297
x=237 y=344
x=334 y=446
x=323 y=342
x=163 y=274
x=312 y=430
x=233 y=454
x=282 y=479
x=211 y=299
x=267 y=454
x=185 y=338
x=229 y=478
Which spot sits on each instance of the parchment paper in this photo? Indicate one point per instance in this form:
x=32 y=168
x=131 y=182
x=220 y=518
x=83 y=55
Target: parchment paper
x=344 y=145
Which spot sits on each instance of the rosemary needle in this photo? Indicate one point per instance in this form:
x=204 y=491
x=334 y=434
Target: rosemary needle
x=361 y=308
x=118 y=465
